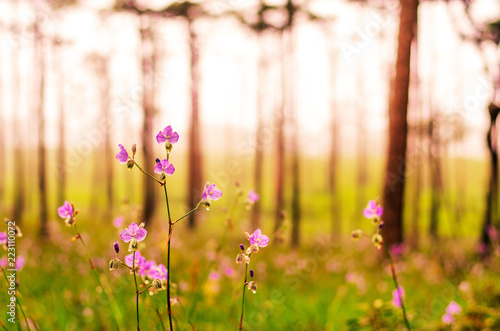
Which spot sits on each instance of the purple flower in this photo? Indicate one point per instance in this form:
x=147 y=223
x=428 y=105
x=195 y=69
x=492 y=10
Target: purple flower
x=139 y=259
x=210 y=192
x=133 y=231
x=453 y=308
x=257 y=238
x=164 y=166
x=19 y=263
x=3 y=238
x=118 y=222
x=372 y=210
x=253 y=197
x=122 y=155
x=159 y=272
x=448 y=318
x=167 y=135
x=66 y=210
x=146 y=267
x=397 y=295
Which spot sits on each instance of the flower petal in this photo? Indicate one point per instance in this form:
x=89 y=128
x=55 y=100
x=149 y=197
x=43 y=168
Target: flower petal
x=122 y=155
x=174 y=137
x=368 y=213
x=379 y=211
x=141 y=234
x=372 y=204
x=264 y=240
x=158 y=169
x=170 y=169
x=126 y=235
x=160 y=137
x=215 y=193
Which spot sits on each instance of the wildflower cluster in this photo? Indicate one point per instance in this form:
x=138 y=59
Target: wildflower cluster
x=452 y=310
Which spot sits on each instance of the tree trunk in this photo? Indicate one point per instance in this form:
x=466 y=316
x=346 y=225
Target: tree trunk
x=435 y=169
x=148 y=108
x=280 y=143
x=398 y=128
x=61 y=148
x=195 y=184
x=42 y=183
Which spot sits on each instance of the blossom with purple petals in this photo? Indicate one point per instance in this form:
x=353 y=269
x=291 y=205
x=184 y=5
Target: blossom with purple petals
x=19 y=263
x=66 y=210
x=397 y=295
x=257 y=238
x=160 y=272
x=133 y=231
x=452 y=309
x=167 y=134
x=122 y=155
x=139 y=259
x=210 y=192
x=3 y=238
x=373 y=210
x=253 y=197
x=164 y=166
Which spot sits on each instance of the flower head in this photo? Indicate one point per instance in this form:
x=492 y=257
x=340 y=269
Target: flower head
x=253 y=197
x=252 y=286
x=3 y=238
x=19 y=263
x=66 y=211
x=139 y=260
x=160 y=272
x=210 y=192
x=164 y=166
x=397 y=295
x=257 y=238
x=118 y=222
x=167 y=134
x=133 y=231
x=122 y=155
x=452 y=309
x=373 y=210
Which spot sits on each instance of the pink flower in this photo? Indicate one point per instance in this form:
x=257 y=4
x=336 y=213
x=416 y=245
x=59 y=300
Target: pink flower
x=139 y=259
x=66 y=210
x=122 y=155
x=133 y=231
x=160 y=272
x=19 y=263
x=164 y=166
x=372 y=210
x=452 y=309
x=447 y=318
x=167 y=134
x=3 y=238
x=118 y=222
x=253 y=197
x=210 y=192
x=146 y=267
x=397 y=295
x=257 y=238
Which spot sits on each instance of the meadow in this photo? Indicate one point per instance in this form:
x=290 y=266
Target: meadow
x=328 y=283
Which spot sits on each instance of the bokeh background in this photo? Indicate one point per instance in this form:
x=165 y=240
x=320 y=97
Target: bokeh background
x=300 y=101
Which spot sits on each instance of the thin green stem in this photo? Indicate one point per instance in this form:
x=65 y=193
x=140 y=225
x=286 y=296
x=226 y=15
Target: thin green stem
x=394 y=278
x=170 y=228
x=188 y=213
x=3 y=325
x=136 y=292
x=147 y=288
x=147 y=174
x=114 y=310
x=161 y=319
x=17 y=299
x=243 y=297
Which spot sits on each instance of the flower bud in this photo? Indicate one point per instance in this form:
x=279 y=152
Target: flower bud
x=206 y=203
x=157 y=284
x=130 y=164
x=356 y=234
x=75 y=238
x=116 y=247
x=242 y=258
x=134 y=245
x=134 y=150
x=377 y=241
x=157 y=160
x=252 y=286
x=242 y=247
x=168 y=147
x=113 y=264
x=70 y=221
x=247 y=235
x=251 y=273
x=253 y=249
x=381 y=225
x=163 y=176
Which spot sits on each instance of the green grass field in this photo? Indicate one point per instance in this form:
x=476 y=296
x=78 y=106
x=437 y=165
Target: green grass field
x=329 y=283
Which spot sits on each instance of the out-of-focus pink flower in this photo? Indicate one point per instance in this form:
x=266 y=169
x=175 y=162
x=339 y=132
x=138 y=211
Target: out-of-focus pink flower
x=372 y=210
x=65 y=210
x=257 y=238
x=397 y=295
x=164 y=166
x=160 y=272
x=3 y=238
x=122 y=155
x=229 y=272
x=146 y=267
x=214 y=275
x=139 y=259
x=452 y=310
x=167 y=134
x=447 y=318
x=210 y=192
x=118 y=222
x=18 y=265
x=253 y=197
x=133 y=231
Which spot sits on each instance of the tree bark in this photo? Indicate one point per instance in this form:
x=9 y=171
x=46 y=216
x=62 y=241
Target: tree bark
x=393 y=195
x=195 y=182
x=42 y=182
x=61 y=148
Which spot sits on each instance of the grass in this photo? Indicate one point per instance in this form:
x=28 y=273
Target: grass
x=328 y=284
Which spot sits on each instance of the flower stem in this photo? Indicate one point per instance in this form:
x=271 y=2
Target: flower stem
x=188 y=213
x=136 y=292
x=152 y=177
x=243 y=298
x=161 y=320
x=114 y=310
x=170 y=228
x=17 y=299
x=394 y=278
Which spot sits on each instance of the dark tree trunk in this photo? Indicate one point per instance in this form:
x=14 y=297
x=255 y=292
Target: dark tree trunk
x=280 y=143
x=61 y=148
x=398 y=128
x=361 y=142
x=148 y=67
x=435 y=169
x=195 y=182
x=42 y=183
x=491 y=212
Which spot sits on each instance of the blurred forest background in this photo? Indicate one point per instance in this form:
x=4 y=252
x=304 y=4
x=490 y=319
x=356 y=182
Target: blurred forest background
x=318 y=105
